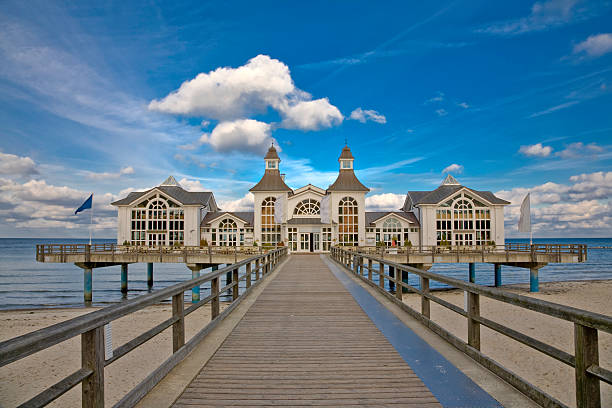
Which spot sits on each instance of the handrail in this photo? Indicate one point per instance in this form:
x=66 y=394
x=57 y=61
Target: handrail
x=586 y=324
x=90 y=327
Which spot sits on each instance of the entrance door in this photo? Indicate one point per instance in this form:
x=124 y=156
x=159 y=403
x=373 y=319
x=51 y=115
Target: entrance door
x=464 y=239
x=316 y=242
x=157 y=239
x=305 y=241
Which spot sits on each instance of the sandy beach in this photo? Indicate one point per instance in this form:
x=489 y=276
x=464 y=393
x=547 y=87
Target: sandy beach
x=552 y=376
x=23 y=379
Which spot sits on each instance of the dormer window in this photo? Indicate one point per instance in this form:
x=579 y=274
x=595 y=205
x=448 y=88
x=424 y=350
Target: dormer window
x=272 y=164
x=346 y=164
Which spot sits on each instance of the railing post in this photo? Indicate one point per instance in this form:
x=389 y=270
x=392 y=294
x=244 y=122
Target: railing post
x=425 y=309
x=587 y=354
x=236 y=283
x=178 y=327
x=248 y=275
x=398 y=284
x=369 y=269
x=381 y=275
x=473 y=325
x=92 y=357
x=257 y=266
x=355 y=264
x=214 y=303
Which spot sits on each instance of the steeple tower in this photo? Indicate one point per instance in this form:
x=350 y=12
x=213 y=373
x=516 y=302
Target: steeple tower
x=271 y=180
x=347 y=181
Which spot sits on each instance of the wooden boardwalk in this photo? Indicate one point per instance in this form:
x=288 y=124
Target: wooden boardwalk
x=306 y=342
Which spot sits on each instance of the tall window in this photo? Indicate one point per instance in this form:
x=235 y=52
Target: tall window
x=270 y=231
x=443 y=226
x=483 y=226
x=139 y=226
x=463 y=215
x=348 y=222
x=227 y=232
x=326 y=238
x=392 y=228
x=293 y=240
x=157 y=221
x=307 y=207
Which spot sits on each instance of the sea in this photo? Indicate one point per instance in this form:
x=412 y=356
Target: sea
x=27 y=284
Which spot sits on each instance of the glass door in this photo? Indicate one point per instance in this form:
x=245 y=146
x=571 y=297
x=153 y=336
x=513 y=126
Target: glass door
x=305 y=242
x=316 y=239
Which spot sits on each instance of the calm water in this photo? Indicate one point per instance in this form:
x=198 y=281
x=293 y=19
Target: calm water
x=25 y=283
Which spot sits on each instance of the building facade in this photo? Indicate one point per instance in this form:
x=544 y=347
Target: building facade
x=310 y=218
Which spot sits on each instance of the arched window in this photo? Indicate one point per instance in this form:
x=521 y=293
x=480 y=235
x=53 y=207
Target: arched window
x=157 y=222
x=227 y=232
x=307 y=207
x=270 y=231
x=392 y=229
x=348 y=233
x=463 y=215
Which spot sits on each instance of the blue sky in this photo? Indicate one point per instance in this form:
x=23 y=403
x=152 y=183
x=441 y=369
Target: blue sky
x=508 y=96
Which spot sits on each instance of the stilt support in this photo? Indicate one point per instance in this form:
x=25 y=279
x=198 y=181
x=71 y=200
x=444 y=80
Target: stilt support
x=534 y=281
x=150 y=275
x=498 y=278
x=87 y=284
x=195 y=291
x=472 y=272
x=124 y=278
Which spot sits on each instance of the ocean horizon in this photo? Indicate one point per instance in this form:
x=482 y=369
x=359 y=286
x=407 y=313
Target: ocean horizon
x=27 y=284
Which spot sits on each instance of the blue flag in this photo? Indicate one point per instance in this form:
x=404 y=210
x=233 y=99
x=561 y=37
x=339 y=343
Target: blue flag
x=86 y=205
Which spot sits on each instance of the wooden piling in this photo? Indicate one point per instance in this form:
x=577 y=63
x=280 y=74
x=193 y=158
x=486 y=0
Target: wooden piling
x=124 y=278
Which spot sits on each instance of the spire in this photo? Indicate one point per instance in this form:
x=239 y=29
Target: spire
x=347 y=181
x=170 y=181
x=272 y=180
x=450 y=181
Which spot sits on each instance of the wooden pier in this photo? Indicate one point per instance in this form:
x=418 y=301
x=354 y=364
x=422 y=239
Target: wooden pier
x=314 y=336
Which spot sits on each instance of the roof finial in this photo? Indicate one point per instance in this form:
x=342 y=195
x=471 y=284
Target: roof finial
x=272 y=143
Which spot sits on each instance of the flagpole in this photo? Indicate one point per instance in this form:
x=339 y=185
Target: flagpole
x=91 y=220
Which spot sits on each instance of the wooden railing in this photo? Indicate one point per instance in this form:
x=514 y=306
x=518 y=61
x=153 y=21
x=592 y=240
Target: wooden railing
x=580 y=250
x=585 y=360
x=91 y=329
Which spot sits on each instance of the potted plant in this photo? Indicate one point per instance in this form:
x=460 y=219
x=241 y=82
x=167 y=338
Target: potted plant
x=203 y=243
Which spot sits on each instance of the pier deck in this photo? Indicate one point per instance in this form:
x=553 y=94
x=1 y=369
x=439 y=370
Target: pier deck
x=306 y=341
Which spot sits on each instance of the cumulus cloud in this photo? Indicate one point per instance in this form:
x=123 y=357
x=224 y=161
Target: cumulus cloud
x=11 y=164
x=544 y=15
x=191 y=185
x=579 y=149
x=242 y=204
x=235 y=95
x=310 y=115
x=240 y=135
x=536 y=150
x=441 y=112
x=453 y=168
x=384 y=202
x=595 y=45
x=110 y=176
x=364 y=115
x=582 y=206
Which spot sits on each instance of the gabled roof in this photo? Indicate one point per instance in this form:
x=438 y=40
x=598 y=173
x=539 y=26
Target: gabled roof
x=271 y=181
x=450 y=181
x=246 y=216
x=177 y=193
x=445 y=191
x=307 y=188
x=347 y=181
x=372 y=216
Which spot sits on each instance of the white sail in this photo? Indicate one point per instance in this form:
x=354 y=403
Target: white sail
x=524 y=224
x=326 y=210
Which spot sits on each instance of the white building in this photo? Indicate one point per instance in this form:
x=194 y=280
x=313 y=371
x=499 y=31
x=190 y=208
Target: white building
x=451 y=214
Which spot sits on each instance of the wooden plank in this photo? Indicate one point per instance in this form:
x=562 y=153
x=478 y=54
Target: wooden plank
x=306 y=341
x=587 y=354
x=178 y=327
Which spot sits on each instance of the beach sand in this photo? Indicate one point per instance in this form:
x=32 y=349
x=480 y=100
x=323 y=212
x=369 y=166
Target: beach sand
x=550 y=375
x=23 y=379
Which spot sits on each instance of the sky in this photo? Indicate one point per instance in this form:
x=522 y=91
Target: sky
x=112 y=97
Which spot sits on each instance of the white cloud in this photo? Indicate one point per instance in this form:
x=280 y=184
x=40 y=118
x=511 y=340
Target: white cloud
x=11 y=164
x=437 y=98
x=110 y=176
x=384 y=202
x=553 y=109
x=581 y=207
x=463 y=105
x=536 y=150
x=240 y=135
x=595 y=45
x=310 y=115
x=441 y=112
x=544 y=15
x=191 y=185
x=579 y=149
x=363 y=115
x=453 y=168
x=242 y=204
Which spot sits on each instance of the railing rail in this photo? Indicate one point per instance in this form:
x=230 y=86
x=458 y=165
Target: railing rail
x=91 y=329
x=585 y=359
